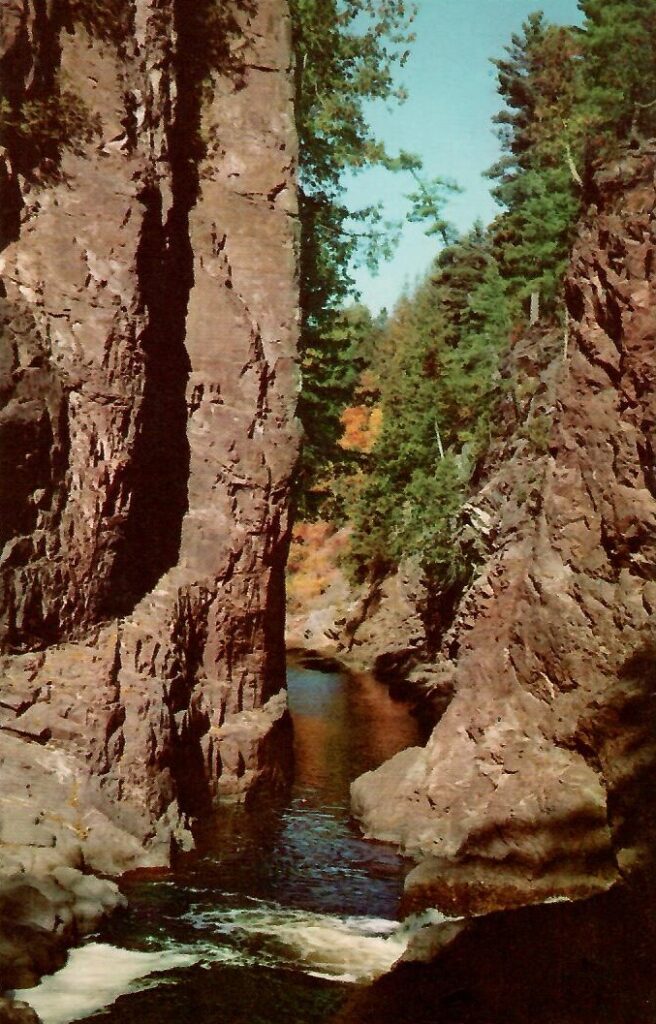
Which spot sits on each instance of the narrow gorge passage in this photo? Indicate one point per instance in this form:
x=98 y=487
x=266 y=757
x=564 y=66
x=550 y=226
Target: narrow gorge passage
x=283 y=912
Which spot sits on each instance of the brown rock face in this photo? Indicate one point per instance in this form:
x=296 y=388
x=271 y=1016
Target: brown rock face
x=536 y=777
x=147 y=430
x=368 y=627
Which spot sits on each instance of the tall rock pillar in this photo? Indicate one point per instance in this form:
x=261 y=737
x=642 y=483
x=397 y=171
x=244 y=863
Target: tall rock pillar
x=147 y=419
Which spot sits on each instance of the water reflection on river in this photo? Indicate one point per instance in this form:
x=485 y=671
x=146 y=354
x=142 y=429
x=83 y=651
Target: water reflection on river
x=343 y=728
x=284 y=909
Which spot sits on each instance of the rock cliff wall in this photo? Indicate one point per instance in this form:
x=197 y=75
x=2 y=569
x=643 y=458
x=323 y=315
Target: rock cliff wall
x=536 y=779
x=148 y=313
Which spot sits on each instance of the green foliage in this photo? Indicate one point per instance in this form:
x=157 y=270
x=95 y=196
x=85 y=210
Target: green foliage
x=619 y=70
x=417 y=522
x=538 y=80
x=335 y=367
x=439 y=391
x=427 y=206
x=533 y=239
x=571 y=97
x=345 y=54
x=541 y=135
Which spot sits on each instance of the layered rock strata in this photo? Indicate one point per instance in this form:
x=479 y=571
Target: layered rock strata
x=536 y=779
x=147 y=433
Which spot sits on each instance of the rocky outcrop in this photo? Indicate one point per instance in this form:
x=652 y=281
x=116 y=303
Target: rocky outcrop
x=536 y=779
x=375 y=626
x=147 y=430
x=571 y=963
x=16 y=1012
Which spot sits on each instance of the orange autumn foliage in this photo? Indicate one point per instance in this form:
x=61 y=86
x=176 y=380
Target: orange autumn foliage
x=313 y=560
x=362 y=425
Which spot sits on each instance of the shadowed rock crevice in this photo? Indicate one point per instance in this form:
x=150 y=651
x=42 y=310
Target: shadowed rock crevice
x=159 y=469
x=190 y=720
x=159 y=472
x=34 y=452
x=276 y=669
x=624 y=733
x=140 y=608
x=647 y=457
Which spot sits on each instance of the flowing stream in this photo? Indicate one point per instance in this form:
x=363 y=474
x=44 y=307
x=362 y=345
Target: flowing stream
x=282 y=914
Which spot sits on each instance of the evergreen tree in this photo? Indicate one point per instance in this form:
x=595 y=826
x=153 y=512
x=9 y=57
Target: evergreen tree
x=538 y=180
x=619 y=69
x=336 y=368
x=459 y=269
x=471 y=367
x=439 y=390
x=570 y=98
x=385 y=506
x=345 y=52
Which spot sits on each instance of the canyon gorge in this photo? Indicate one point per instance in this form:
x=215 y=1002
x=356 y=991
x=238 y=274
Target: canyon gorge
x=149 y=379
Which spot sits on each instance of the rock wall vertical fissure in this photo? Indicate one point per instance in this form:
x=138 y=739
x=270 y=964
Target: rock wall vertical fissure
x=147 y=409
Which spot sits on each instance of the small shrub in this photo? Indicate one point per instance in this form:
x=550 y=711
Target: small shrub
x=538 y=432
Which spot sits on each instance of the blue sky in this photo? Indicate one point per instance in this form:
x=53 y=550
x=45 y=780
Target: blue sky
x=447 y=121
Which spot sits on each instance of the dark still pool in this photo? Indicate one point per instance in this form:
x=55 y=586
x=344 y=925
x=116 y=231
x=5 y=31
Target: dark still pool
x=285 y=910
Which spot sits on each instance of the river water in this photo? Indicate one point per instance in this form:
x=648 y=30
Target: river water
x=285 y=910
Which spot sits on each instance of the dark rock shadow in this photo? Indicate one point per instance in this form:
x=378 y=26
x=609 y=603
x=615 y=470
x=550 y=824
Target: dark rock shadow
x=569 y=963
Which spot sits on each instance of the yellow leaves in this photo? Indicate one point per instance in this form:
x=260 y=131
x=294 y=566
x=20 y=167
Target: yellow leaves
x=314 y=558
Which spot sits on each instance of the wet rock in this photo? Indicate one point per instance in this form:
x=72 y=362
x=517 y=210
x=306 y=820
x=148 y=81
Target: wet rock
x=15 y=1012
x=571 y=963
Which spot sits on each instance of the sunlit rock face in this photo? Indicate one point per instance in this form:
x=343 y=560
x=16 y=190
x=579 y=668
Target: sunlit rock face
x=536 y=779
x=147 y=426
x=373 y=626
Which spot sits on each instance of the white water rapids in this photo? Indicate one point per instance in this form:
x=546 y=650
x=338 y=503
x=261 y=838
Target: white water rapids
x=349 y=949
x=226 y=939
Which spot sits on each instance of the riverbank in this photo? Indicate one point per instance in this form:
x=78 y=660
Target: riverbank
x=283 y=908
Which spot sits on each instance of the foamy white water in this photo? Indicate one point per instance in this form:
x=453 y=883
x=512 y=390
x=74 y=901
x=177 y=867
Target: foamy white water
x=349 y=950
x=93 y=977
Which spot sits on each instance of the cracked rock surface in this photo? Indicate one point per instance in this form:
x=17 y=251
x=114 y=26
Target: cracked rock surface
x=148 y=332
x=535 y=780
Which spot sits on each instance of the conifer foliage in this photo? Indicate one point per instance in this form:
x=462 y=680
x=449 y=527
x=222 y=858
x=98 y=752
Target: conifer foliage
x=572 y=96
x=345 y=55
x=619 y=69
x=537 y=180
x=438 y=392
